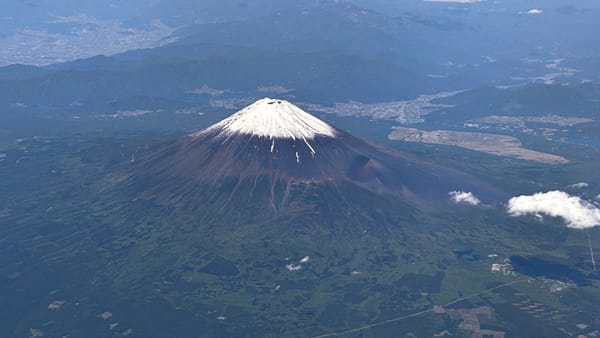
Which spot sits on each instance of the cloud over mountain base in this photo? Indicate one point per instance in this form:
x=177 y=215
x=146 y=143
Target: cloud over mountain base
x=577 y=213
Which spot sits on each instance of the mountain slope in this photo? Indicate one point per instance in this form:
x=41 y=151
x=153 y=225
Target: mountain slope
x=274 y=143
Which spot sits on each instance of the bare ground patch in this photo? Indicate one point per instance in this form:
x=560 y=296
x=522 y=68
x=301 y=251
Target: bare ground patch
x=501 y=145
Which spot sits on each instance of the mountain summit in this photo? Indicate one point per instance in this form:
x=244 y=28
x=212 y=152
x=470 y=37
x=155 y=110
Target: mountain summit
x=273 y=119
x=275 y=143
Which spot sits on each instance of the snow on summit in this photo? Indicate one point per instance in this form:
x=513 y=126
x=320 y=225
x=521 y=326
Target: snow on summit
x=273 y=118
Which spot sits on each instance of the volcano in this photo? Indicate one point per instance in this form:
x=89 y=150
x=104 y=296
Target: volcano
x=266 y=212
x=276 y=143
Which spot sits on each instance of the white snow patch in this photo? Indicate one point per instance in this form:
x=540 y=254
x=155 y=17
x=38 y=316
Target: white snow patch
x=577 y=213
x=535 y=11
x=462 y=197
x=297 y=157
x=273 y=118
x=305 y=260
x=312 y=150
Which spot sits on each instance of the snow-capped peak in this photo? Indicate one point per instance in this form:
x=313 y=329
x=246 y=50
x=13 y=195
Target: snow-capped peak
x=273 y=118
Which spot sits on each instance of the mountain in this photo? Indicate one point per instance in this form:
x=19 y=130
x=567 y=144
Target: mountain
x=277 y=144
x=533 y=100
x=20 y=72
x=96 y=84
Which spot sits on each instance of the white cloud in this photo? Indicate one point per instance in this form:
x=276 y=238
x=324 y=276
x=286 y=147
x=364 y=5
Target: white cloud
x=293 y=267
x=535 y=11
x=579 y=185
x=464 y=197
x=297 y=267
x=577 y=213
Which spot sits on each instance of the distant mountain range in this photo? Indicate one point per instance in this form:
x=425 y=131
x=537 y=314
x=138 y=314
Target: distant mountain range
x=217 y=55
x=411 y=33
